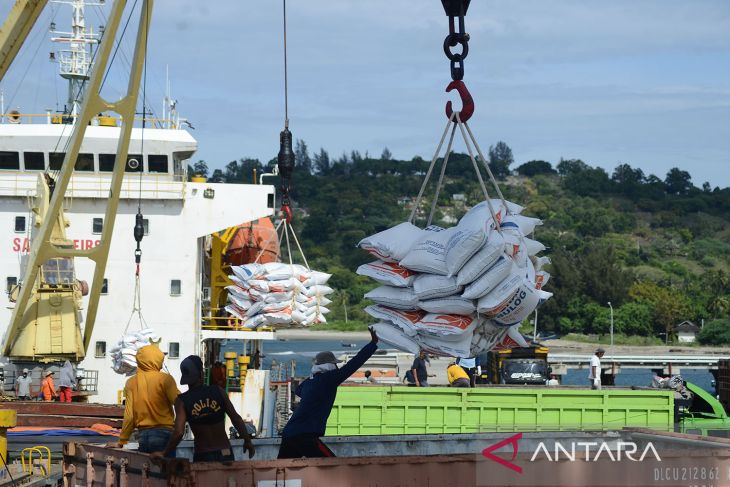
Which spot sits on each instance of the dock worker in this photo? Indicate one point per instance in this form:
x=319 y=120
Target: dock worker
x=301 y=435
x=594 y=374
x=149 y=394
x=23 y=385
x=457 y=376
x=205 y=408
x=471 y=367
x=369 y=377
x=419 y=370
x=48 y=388
x=66 y=381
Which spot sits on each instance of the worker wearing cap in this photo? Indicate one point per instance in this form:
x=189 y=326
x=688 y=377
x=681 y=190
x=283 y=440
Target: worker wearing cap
x=149 y=396
x=48 y=389
x=301 y=435
x=594 y=374
x=23 y=385
x=205 y=409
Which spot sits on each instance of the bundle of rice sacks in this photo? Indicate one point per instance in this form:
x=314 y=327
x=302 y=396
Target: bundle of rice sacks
x=278 y=294
x=457 y=291
x=124 y=353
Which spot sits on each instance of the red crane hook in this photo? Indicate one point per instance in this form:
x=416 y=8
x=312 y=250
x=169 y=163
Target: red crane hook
x=467 y=102
x=287 y=213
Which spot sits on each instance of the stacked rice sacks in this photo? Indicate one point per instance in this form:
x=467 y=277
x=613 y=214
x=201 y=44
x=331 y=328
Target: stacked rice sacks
x=457 y=291
x=278 y=294
x=124 y=353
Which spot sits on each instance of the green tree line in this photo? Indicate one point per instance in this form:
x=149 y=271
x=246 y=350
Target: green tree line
x=655 y=247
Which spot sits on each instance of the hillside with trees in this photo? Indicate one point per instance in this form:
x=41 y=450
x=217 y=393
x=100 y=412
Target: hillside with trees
x=656 y=248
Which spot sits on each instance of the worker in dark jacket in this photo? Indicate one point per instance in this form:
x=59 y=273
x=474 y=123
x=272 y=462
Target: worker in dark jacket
x=301 y=436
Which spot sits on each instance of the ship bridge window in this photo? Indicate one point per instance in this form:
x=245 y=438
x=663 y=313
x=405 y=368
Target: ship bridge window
x=157 y=163
x=104 y=286
x=19 y=224
x=55 y=160
x=34 y=161
x=84 y=162
x=173 y=350
x=97 y=225
x=9 y=160
x=134 y=163
x=100 y=351
x=175 y=287
x=106 y=162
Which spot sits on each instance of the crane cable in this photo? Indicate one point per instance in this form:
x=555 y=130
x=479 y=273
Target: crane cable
x=139 y=218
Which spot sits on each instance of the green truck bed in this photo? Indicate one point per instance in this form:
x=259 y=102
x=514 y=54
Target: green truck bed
x=375 y=410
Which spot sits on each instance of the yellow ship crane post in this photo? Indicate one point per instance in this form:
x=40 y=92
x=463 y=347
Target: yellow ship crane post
x=45 y=325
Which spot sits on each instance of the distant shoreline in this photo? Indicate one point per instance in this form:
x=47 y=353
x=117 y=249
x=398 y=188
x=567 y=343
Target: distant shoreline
x=556 y=346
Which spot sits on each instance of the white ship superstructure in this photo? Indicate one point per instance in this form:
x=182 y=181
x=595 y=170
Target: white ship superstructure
x=178 y=216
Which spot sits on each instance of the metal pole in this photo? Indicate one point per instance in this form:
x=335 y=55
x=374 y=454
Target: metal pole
x=609 y=305
x=534 y=331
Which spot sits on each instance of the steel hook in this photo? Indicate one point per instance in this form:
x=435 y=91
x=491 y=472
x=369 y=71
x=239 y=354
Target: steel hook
x=467 y=102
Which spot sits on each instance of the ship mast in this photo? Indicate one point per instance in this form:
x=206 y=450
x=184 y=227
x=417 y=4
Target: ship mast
x=75 y=61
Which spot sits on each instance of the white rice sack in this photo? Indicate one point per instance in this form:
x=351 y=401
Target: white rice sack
x=254 y=322
x=540 y=262
x=301 y=297
x=239 y=282
x=260 y=285
x=236 y=311
x=318 y=290
x=541 y=279
x=447 y=327
x=298 y=317
x=437 y=346
x=485 y=258
x=462 y=246
x=281 y=318
x=394 y=336
x=430 y=286
x=278 y=271
x=284 y=285
x=512 y=301
x=516 y=244
x=319 y=319
x=480 y=218
x=486 y=337
x=243 y=304
x=388 y=273
x=449 y=305
x=247 y=272
x=317 y=278
x=405 y=320
x=428 y=253
x=524 y=225
x=394 y=297
x=485 y=283
x=282 y=297
x=514 y=333
x=323 y=301
x=393 y=244
x=322 y=310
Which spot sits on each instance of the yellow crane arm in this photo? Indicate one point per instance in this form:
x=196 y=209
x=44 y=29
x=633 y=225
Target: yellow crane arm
x=21 y=340
x=20 y=21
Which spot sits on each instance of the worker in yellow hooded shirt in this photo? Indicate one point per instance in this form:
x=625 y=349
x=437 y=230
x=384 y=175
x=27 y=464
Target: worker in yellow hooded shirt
x=150 y=395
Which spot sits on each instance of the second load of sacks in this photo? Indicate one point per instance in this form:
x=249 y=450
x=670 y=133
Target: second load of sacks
x=457 y=291
x=278 y=294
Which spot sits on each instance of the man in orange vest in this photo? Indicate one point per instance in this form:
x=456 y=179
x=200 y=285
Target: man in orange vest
x=48 y=389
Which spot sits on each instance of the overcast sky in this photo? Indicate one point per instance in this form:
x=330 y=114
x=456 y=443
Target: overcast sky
x=645 y=83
